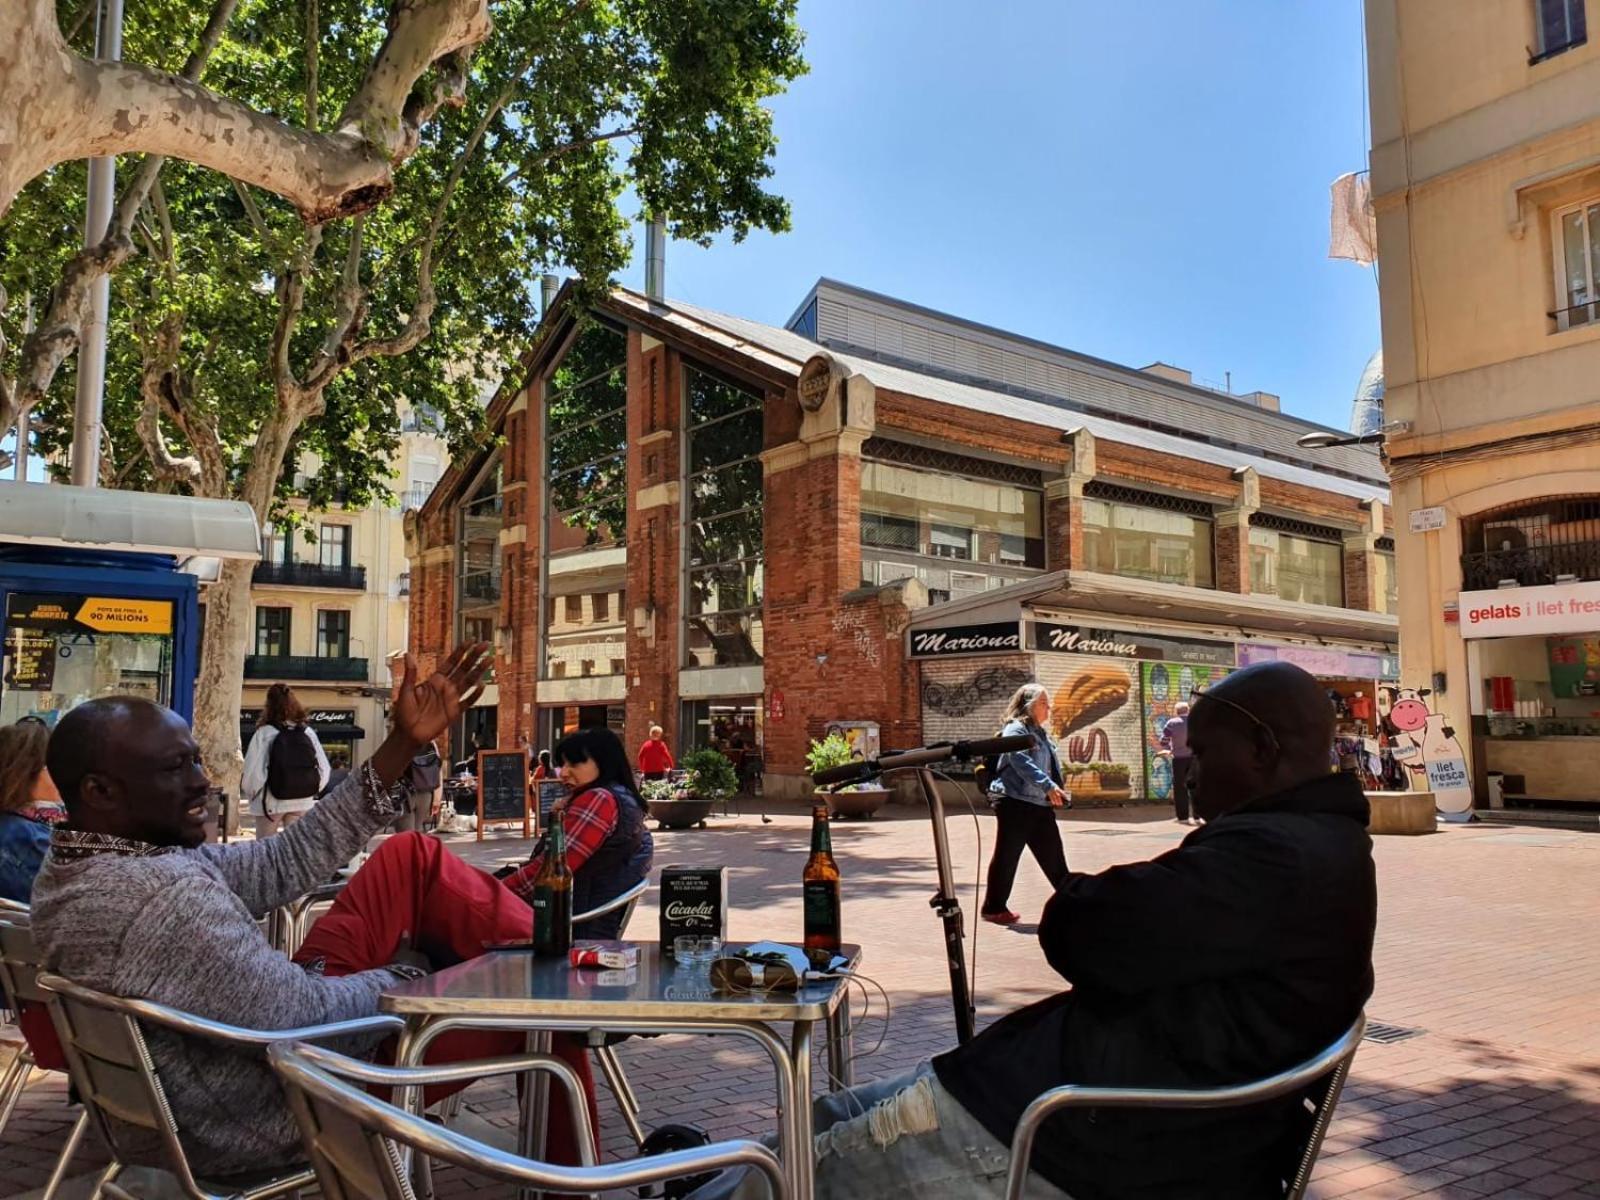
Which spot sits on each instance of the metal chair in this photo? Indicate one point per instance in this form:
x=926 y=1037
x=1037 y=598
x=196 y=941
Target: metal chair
x=1319 y=1082
x=123 y=1097
x=20 y=965
x=604 y=1053
x=353 y=1139
x=287 y=925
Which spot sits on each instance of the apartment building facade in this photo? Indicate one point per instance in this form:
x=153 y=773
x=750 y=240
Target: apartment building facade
x=330 y=602
x=1486 y=181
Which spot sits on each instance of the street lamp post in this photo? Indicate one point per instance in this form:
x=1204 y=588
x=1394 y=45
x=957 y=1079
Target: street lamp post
x=87 y=412
x=1326 y=441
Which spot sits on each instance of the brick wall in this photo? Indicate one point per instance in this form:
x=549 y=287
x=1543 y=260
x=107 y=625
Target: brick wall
x=653 y=613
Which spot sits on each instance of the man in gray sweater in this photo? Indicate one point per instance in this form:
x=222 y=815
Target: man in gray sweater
x=130 y=901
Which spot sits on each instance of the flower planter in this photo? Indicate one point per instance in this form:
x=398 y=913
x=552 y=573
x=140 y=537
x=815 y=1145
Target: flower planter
x=861 y=803
x=680 y=814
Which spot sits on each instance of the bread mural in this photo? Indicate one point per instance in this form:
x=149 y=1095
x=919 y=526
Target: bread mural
x=1096 y=724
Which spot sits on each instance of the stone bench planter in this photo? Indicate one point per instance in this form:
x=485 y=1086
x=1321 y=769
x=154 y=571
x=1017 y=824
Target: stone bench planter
x=1401 y=812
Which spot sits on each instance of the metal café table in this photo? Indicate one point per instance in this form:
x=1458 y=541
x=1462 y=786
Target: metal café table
x=512 y=990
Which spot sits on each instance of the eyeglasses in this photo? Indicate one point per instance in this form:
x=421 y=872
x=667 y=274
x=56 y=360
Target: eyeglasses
x=1196 y=695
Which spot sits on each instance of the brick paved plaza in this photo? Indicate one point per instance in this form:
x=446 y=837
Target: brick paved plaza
x=1485 y=946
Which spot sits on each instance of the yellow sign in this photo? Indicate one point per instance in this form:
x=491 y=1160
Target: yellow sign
x=126 y=616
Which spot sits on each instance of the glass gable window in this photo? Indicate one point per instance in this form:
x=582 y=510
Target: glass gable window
x=586 y=440
x=1296 y=567
x=586 y=505
x=478 y=556
x=1162 y=539
x=912 y=514
x=722 y=603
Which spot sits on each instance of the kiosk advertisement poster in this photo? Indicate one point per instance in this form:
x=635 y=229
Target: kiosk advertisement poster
x=1165 y=685
x=1095 y=719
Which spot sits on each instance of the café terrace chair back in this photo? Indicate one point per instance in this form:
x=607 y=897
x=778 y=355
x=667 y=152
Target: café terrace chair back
x=604 y=1053
x=357 y=1143
x=20 y=965
x=120 y=1085
x=1319 y=1082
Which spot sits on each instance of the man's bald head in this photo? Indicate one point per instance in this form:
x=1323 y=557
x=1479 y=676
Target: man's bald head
x=1259 y=731
x=128 y=767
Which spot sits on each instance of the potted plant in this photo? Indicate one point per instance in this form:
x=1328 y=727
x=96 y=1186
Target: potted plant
x=707 y=778
x=855 y=800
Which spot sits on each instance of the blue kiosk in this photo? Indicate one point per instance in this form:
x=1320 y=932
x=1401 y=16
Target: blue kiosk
x=99 y=590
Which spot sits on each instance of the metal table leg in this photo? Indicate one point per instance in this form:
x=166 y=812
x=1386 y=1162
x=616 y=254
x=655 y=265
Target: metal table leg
x=536 y=1107
x=801 y=1163
x=841 y=1051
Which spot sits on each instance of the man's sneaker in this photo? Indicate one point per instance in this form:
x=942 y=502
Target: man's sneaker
x=1001 y=918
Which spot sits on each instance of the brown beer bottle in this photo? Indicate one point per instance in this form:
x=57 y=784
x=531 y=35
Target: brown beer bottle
x=552 y=899
x=821 y=888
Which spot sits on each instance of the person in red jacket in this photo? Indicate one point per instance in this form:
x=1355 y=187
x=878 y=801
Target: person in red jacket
x=655 y=760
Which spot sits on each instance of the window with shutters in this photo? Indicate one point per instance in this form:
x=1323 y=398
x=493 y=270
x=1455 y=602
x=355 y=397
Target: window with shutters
x=333 y=633
x=272 y=632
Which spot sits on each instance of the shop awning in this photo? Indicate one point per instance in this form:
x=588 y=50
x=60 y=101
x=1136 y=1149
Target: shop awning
x=77 y=518
x=1108 y=598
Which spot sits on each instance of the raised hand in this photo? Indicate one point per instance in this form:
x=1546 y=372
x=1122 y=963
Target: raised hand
x=425 y=709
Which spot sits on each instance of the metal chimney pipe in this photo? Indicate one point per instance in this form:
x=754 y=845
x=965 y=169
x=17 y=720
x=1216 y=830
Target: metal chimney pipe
x=549 y=285
x=655 y=258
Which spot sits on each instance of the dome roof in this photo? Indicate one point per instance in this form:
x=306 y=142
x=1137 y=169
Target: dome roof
x=1366 y=411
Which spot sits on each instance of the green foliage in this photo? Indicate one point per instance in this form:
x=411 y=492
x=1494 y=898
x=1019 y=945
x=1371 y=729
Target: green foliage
x=583 y=102
x=655 y=790
x=709 y=774
x=831 y=751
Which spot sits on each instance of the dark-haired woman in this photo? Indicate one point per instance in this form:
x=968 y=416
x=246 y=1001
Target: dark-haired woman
x=609 y=849
x=296 y=764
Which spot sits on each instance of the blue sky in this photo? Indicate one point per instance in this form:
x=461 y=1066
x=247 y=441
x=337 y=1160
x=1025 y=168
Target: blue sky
x=1137 y=181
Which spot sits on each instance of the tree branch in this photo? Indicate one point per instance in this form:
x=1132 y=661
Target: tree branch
x=101 y=108
x=165 y=393
x=56 y=337
x=313 y=41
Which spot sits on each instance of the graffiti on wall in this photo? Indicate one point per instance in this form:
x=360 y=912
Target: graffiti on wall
x=1095 y=718
x=966 y=699
x=1165 y=684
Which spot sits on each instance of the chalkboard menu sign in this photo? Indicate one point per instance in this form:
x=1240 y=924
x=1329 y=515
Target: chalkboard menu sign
x=550 y=790
x=503 y=788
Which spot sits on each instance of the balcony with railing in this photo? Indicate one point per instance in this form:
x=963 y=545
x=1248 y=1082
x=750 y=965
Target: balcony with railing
x=1531 y=566
x=305 y=668
x=302 y=574
x=415 y=496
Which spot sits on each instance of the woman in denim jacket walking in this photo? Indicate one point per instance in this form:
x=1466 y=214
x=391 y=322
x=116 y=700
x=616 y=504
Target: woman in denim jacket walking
x=1026 y=792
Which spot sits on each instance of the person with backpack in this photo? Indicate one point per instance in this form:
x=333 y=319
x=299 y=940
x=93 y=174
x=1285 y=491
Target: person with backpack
x=1026 y=790
x=422 y=781
x=285 y=769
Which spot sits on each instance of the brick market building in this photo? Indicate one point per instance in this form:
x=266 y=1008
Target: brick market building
x=881 y=515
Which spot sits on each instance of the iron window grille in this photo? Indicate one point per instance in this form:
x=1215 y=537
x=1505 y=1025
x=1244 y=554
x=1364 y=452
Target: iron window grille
x=1548 y=541
x=1116 y=493
x=1296 y=527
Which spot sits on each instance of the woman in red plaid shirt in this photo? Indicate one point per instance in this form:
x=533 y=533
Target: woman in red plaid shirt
x=609 y=849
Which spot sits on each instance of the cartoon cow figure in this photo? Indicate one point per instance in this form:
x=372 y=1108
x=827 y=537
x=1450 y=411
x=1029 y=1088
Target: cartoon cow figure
x=1421 y=735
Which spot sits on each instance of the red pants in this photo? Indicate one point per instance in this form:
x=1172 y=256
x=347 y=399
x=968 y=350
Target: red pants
x=412 y=886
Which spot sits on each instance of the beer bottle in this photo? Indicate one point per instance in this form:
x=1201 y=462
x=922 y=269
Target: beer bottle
x=821 y=888
x=552 y=899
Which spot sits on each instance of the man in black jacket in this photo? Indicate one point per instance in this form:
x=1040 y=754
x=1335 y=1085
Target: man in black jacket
x=1240 y=953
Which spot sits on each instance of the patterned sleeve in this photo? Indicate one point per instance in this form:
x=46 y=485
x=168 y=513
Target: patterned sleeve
x=587 y=822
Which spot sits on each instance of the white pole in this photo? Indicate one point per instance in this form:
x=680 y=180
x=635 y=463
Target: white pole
x=87 y=413
x=22 y=417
